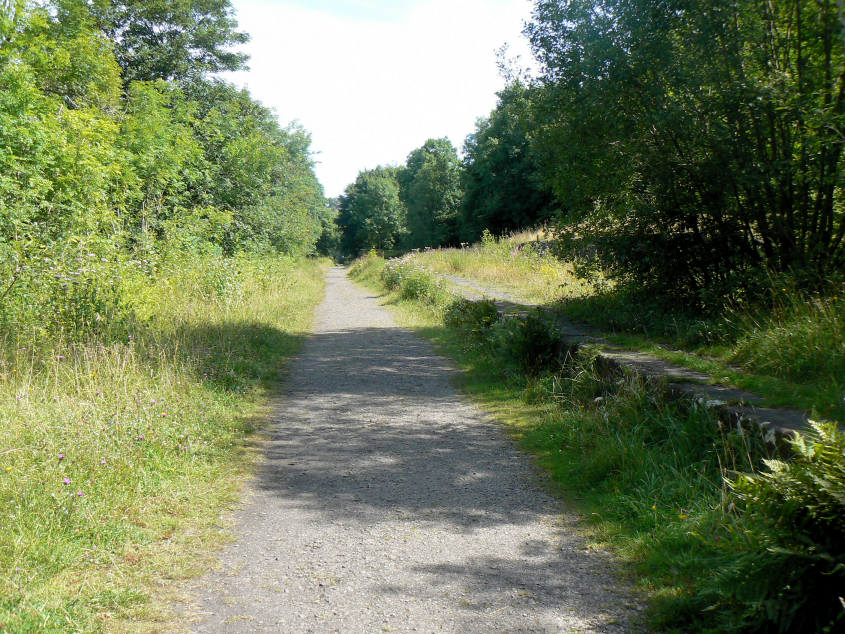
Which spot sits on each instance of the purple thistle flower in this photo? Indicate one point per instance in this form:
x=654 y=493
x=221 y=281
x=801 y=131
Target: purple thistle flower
x=79 y=494
x=61 y=456
x=66 y=480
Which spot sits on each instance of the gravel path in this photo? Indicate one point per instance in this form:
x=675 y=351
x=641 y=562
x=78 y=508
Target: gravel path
x=388 y=503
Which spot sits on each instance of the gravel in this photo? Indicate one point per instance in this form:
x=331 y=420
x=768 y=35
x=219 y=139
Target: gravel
x=387 y=502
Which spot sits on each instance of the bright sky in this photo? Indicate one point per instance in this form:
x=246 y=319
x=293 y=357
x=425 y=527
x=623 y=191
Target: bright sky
x=373 y=79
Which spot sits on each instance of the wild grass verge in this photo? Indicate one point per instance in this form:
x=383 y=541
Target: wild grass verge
x=653 y=476
x=788 y=347
x=119 y=454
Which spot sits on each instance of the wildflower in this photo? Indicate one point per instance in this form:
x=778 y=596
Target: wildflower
x=103 y=461
x=61 y=456
x=79 y=494
x=140 y=436
x=61 y=356
x=9 y=469
x=654 y=507
x=66 y=480
x=682 y=516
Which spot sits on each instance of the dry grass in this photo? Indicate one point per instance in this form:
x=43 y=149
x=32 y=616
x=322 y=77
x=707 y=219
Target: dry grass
x=118 y=458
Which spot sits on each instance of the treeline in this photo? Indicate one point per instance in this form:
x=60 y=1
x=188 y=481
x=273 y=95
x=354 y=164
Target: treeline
x=690 y=149
x=118 y=148
x=438 y=199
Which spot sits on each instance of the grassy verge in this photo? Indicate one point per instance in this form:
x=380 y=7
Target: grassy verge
x=649 y=474
x=791 y=353
x=118 y=457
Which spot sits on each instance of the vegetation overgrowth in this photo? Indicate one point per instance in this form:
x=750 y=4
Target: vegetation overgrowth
x=790 y=348
x=700 y=512
x=153 y=221
x=690 y=153
x=119 y=454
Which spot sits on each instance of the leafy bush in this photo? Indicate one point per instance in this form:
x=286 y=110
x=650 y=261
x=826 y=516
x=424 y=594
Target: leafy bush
x=789 y=575
x=474 y=318
x=533 y=344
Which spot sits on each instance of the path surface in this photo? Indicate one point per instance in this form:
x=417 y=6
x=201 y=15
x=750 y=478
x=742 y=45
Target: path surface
x=388 y=503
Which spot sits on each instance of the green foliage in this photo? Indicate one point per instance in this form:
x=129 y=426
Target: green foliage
x=502 y=180
x=800 y=339
x=695 y=146
x=789 y=573
x=372 y=215
x=166 y=39
x=415 y=283
x=431 y=192
x=532 y=343
x=472 y=317
x=93 y=179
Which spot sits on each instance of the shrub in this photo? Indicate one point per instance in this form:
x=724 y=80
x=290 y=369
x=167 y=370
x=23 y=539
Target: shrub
x=474 y=318
x=533 y=344
x=789 y=575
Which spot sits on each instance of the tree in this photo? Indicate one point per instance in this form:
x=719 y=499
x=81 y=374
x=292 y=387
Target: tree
x=372 y=215
x=502 y=180
x=171 y=39
x=697 y=144
x=260 y=173
x=431 y=191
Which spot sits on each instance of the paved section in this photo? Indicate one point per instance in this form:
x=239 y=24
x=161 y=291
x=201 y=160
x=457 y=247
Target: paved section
x=388 y=503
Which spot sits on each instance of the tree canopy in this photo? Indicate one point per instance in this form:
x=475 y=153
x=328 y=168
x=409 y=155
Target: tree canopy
x=502 y=182
x=698 y=145
x=94 y=161
x=372 y=215
x=170 y=39
x=431 y=191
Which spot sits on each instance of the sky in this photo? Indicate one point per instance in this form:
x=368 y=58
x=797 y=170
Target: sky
x=373 y=79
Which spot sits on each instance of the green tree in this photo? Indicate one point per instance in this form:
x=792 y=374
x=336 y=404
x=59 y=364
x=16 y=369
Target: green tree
x=696 y=144
x=502 y=179
x=431 y=192
x=171 y=39
x=372 y=215
x=260 y=173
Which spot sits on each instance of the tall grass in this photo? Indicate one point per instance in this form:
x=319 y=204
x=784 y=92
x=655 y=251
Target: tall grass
x=118 y=453
x=520 y=264
x=788 y=347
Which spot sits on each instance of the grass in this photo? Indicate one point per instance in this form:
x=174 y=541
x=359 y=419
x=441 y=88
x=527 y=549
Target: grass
x=518 y=265
x=791 y=351
x=118 y=457
x=648 y=474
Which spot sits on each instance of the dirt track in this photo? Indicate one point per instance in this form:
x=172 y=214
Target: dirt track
x=388 y=503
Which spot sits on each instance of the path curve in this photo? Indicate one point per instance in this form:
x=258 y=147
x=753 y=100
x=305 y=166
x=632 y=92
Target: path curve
x=388 y=503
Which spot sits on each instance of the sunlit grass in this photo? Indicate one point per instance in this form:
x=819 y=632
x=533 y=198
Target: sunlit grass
x=117 y=458
x=792 y=354
x=518 y=264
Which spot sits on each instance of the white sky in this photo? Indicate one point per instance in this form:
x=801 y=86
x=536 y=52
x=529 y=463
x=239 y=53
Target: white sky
x=373 y=79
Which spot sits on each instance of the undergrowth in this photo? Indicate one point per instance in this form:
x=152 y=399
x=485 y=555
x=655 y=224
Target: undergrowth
x=720 y=536
x=785 y=345
x=120 y=449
